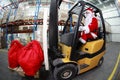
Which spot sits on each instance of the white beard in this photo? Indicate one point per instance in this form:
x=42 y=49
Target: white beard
x=88 y=19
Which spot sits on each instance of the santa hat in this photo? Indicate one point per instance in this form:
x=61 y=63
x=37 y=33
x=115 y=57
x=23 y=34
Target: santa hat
x=89 y=10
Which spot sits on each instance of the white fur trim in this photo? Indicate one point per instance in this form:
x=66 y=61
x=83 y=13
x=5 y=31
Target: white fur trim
x=94 y=35
x=86 y=29
x=82 y=40
x=81 y=28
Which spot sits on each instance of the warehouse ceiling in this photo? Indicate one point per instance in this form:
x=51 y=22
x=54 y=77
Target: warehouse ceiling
x=103 y=4
x=5 y=5
x=110 y=9
x=99 y=3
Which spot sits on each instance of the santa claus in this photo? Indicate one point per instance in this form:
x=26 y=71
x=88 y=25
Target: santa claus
x=90 y=28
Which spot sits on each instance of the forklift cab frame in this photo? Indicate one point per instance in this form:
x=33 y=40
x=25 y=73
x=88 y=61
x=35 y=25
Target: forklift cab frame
x=71 y=38
x=65 y=59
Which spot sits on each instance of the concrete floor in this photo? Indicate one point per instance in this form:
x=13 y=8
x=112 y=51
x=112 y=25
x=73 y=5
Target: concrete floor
x=101 y=73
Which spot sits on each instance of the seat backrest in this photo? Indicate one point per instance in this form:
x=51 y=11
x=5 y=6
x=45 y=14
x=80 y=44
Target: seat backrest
x=100 y=34
x=67 y=38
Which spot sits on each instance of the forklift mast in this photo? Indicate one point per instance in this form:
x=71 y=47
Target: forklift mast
x=53 y=26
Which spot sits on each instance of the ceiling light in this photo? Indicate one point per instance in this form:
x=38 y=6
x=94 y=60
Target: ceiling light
x=111 y=5
x=99 y=1
x=0 y=7
x=27 y=7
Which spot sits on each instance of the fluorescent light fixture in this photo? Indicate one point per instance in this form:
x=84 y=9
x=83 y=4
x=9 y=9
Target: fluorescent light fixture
x=99 y=1
x=27 y=7
x=0 y=7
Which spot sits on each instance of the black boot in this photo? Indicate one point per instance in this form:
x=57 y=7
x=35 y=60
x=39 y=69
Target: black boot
x=79 y=44
x=28 y=78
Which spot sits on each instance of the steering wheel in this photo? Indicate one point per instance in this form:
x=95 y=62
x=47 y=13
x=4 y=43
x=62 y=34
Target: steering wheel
x=82 y=24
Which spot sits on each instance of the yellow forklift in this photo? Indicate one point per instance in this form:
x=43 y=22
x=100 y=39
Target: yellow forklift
x=65 y=58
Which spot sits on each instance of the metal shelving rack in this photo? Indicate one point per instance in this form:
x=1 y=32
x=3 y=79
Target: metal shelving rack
x=38 y=2
x=6 y=29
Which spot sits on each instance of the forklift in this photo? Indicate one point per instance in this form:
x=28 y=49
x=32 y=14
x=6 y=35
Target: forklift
x=65 y=59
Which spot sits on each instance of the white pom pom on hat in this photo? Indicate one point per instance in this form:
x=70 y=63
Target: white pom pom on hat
x=89 y=9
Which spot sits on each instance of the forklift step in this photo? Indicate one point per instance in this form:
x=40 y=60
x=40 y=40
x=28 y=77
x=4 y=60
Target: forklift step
x=82 y=66
x=80 y=52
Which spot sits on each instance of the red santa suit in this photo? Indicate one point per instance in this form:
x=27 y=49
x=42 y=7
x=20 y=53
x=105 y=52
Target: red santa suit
x=89 y=31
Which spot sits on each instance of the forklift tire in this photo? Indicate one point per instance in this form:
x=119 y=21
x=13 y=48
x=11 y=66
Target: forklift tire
x=65 y=72
x=100 y=62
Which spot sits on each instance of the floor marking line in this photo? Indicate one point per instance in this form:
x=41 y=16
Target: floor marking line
x=115 y=68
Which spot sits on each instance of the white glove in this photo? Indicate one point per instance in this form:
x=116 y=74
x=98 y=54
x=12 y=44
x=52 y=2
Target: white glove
x=81 y=28
x=84 y=28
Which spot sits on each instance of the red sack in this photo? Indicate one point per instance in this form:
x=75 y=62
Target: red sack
x=15 y=46
x=31 y=58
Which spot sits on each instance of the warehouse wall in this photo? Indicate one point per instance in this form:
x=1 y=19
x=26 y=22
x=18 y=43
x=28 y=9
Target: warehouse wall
x=112 y=17
x=115 y=29
x=115 y=33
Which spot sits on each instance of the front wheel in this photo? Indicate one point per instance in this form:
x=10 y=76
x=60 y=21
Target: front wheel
x=100 y=62
x=65 y=72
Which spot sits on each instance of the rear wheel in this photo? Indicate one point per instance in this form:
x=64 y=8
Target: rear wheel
x=100 y=62
x=65 y=72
